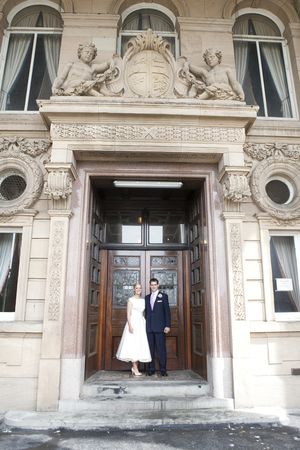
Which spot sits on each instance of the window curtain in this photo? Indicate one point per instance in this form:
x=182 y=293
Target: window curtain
x=147 y=19
x=52 y=45
x=241 y=51
x=273 y=57
x=17 y=52
x=285 y=251
x=6 y=242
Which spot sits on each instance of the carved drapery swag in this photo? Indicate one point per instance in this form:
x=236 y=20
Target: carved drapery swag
x=23 y=157
x=148 y=69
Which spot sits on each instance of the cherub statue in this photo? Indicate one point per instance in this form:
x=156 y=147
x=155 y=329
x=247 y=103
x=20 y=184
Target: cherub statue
x=84 y=77
x=217 y=83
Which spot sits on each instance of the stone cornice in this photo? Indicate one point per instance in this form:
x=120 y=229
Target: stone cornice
x=90 y=20
x=88 y=109
x=202 y=24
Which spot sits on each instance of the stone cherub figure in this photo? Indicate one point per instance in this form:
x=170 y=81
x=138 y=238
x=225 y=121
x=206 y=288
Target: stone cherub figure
x=84 y=77
x=216 y=83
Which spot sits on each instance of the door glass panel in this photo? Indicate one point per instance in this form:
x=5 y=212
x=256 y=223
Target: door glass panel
x=168 y=283
x=123 y=280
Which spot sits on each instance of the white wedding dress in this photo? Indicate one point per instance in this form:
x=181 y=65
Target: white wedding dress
x=134 y=346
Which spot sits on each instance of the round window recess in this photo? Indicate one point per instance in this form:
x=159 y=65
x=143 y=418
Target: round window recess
x=12 y=187
x=280 y=191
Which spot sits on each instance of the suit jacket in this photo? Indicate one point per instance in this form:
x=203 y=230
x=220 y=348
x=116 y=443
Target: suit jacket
x=160 y=317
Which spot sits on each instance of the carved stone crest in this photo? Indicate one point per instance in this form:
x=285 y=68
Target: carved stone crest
x=148 y=69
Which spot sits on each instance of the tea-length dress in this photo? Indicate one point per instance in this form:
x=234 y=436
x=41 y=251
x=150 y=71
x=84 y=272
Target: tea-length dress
x=134 y=346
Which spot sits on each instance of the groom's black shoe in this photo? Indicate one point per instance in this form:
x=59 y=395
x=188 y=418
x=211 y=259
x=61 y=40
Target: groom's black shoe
x=164 y=374
x=150 y=373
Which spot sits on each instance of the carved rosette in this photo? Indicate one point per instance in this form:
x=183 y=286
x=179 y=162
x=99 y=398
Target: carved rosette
x=237 y=271
x=56 y=269
x=235 y=184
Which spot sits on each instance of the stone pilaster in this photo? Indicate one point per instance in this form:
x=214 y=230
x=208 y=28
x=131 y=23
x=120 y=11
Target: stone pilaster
x=59 y=189
x=239 y=326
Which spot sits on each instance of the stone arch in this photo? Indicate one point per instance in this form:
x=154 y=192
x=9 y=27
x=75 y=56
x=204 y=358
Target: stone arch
x=178 y=7
x=285 y=11
x=8 y=5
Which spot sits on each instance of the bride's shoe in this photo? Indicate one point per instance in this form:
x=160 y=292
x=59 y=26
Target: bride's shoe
x=135 y=372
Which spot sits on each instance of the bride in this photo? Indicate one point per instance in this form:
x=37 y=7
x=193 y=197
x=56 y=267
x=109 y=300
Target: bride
x=134 y=346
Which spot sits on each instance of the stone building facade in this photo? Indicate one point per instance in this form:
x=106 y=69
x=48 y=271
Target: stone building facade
x=88 y=204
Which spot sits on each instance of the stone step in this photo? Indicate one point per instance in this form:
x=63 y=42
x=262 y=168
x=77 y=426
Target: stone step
x=93 y=420
x=144 y=387
x=132 y=403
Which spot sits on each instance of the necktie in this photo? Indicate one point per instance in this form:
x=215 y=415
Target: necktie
x=152 y=300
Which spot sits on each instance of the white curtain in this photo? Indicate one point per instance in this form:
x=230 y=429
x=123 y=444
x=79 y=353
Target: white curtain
x=146 y=19
x=6 y=240
x=52 y=45
x=17 y=52
x=285 y=250
x=273 y=57
x=241 y=51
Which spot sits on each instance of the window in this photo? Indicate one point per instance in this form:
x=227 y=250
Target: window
x=32 y=58
x=285 y=273
x=10 y=244
x=261 y=65
x=141 y=20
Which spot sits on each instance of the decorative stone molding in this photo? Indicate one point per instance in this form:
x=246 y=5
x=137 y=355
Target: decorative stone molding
x=59 y=183
x=56 y=269
x=264 y=151
x=32 y=147
x=12 y=160
x=149 y=133
x=279 y=166
x=235 y=184
x=237 y=271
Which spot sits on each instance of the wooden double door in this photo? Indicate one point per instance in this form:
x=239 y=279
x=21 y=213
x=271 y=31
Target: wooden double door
x=128 y=267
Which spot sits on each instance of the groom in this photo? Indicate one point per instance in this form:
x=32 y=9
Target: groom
x=158 y=322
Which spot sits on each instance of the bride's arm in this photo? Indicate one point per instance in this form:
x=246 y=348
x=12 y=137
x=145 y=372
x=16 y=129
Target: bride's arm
x=129 y=311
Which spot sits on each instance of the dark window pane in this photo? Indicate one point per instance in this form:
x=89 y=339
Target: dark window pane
x=123 y=228
x=16 y=73
x=248 y=73
x=285 y=274
x=10 y=245
x=278 y=191
x=276 y=89
x=167 y=228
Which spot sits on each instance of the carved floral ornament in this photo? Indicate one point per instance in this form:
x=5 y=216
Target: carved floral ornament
x=18 y=167
x=59 y=183
x=276 y=162
x=235 y=184
x=148 y=69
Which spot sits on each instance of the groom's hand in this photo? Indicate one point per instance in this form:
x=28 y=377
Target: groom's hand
x=167 y=330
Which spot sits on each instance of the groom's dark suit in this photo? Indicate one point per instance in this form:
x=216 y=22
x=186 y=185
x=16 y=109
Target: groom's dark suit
x=157 y=319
